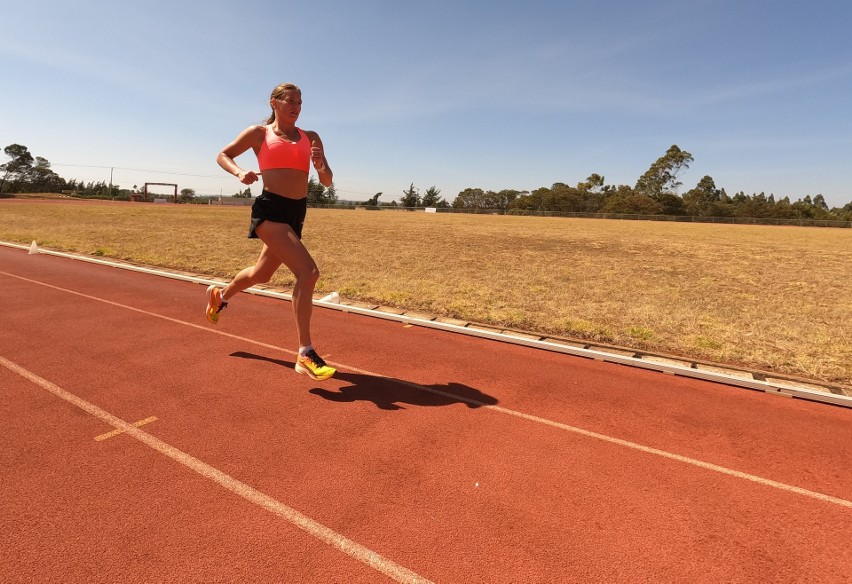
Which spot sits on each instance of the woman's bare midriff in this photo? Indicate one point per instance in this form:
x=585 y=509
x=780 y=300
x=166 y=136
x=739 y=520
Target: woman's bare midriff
x=286 y=182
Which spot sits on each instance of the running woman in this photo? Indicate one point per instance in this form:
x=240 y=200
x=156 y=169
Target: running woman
x=284 y=154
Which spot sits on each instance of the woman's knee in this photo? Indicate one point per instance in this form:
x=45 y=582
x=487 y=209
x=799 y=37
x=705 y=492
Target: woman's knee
x=308 y=275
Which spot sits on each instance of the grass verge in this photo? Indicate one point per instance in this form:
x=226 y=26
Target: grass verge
x=772 y=298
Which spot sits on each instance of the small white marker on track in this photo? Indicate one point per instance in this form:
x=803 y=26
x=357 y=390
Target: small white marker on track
x=334 y=298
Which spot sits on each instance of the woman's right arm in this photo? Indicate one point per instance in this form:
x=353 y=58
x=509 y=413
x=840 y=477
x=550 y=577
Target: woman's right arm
x=248 y=138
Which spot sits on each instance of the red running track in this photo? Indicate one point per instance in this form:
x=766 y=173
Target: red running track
x=431 y=456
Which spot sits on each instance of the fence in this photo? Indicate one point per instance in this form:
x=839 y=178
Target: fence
x=232 y=201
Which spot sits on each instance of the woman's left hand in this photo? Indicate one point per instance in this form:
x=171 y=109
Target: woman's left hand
x=317 y=156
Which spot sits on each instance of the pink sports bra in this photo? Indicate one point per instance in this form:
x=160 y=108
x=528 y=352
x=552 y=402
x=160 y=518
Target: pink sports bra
x=276 y=152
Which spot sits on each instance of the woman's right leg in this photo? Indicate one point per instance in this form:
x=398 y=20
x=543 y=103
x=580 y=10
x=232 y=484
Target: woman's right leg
x=289 y=250
x=287 y=246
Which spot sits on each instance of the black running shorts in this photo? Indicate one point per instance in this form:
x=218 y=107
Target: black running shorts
x=271 y=207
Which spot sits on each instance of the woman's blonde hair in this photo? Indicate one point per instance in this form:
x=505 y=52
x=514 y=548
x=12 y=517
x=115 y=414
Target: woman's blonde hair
x=278 y=93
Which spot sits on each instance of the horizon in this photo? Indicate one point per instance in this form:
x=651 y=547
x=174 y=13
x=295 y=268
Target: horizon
x=451 y=95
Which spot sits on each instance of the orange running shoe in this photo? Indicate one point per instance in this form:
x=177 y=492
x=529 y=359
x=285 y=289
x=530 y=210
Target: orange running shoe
x=313 y=366
x=215 y=304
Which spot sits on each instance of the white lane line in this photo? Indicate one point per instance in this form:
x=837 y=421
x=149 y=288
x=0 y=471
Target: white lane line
x=626 y=443
x=588 y=433
x=319 y=531
x=685 y=459
x=109 y=435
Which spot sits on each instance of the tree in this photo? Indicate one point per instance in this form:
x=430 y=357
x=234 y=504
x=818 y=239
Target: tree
x=17 y=168
x=754 y=206
x=246 y=194
x=704 y=199
x=41 y=179
x=330 y=195
x=187 y=194
x=470 y=199
x=502 y=199
x=594 y=192
x=373 y=201
x=593 y=184
x=812 y=208
x=27 y=174
x=564 y=199
x=783 y=209
x=432 y=198
x=624 y=200
x=559 y=198
x=670 y=204
x=662 y=176
x=410 y=197
x=320 y=195
x=315 y=191
x=530 y=202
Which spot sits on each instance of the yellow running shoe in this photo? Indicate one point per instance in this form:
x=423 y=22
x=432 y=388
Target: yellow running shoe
x=215 y=304
x=313 y=366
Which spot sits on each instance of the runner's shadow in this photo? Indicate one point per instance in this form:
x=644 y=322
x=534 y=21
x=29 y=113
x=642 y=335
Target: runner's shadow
x=387 y=393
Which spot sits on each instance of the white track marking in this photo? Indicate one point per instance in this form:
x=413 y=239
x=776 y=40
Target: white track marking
x=626 y=443
x=588 y=433
x=116 y=432
x=319 y=531
x=155 y=315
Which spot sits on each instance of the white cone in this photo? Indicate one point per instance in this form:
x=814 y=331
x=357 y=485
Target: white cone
x=33 y=248
x=334 y=298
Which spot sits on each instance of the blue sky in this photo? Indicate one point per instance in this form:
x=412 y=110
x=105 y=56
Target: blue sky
x=448 y=94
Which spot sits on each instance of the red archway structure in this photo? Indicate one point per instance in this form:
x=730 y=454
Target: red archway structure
x=145 y=190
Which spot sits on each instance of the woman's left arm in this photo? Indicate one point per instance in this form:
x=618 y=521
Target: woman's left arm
x=319 y=160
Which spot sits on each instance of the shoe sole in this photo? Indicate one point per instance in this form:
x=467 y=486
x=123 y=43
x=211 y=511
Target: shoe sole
x=212 y=317
x=305 y=371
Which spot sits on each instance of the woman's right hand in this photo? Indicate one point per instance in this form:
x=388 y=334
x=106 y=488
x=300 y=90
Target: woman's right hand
x=247 y=178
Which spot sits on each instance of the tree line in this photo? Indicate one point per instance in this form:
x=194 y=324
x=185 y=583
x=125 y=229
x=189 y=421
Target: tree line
x=655 y=193
x=28 y=174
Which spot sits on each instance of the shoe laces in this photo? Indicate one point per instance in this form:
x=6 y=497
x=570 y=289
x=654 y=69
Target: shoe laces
x=222 y=305
x=317 y=360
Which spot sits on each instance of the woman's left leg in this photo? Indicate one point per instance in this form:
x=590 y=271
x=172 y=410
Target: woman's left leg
x=260 y=273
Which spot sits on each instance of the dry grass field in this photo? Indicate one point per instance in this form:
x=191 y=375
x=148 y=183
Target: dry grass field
x=772 y=298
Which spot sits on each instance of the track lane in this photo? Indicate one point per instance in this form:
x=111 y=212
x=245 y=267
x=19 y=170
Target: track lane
x=390 y=475
x=758 y=437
